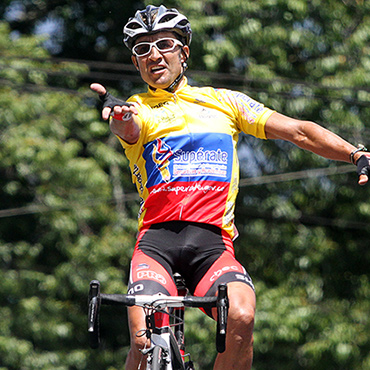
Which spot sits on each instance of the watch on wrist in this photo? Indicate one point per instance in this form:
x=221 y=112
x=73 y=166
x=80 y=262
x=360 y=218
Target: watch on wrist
x=360 y=148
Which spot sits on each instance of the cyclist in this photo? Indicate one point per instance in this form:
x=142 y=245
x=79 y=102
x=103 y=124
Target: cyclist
x=181 y=144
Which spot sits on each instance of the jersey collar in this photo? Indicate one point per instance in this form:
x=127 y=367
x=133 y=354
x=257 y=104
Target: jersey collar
x=162 y=92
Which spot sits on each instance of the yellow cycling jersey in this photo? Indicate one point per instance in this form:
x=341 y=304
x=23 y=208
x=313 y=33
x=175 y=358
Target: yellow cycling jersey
x=185 y=164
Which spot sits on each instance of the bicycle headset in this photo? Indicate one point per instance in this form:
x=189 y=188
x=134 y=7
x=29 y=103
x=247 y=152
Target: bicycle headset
x=156 y=19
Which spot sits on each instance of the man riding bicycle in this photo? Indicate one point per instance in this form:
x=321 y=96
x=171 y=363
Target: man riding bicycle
x=181 y=144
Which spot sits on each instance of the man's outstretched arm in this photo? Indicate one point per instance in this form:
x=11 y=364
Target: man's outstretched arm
x=310 y=136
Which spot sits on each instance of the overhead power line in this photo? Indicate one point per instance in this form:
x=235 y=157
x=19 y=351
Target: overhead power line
x=259 y=180
x=310 y=220
x=112 y=71
x=299 y=175
x=42 y=208
x=100 y=76
x=223 y=77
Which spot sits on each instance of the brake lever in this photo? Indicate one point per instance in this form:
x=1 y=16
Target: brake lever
x=93 y=314
x=222 y=313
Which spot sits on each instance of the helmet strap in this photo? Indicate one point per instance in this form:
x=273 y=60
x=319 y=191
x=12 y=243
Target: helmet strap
x=177 y=80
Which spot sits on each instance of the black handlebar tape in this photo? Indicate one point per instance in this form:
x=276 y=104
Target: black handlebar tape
x=205 y=302
x=118 y=299
x=96 y=299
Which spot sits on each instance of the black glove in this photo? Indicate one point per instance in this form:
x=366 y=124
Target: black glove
x=110 y=101
x=363 y=165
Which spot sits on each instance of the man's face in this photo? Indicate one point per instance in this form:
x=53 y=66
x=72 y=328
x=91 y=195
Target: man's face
x=160 y=69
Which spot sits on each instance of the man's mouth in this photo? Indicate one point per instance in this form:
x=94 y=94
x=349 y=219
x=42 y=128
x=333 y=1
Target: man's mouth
x=157 y=69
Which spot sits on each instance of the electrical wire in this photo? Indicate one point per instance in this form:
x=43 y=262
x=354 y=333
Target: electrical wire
x=299 y=175
x=310 y=220
x=42 y=208
x=259 y=180
x=219 y=76
x=127 y=72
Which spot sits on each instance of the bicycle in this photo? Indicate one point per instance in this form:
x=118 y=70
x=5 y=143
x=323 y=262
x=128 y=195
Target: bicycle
x=164 y=322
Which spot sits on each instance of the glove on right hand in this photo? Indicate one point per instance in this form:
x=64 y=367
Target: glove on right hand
x=110 y=101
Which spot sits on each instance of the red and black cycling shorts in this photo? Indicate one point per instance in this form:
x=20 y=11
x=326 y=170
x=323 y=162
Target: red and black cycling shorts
x=202 y=254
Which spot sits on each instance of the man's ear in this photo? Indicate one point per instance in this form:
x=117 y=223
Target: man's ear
x=134 y=61
x=185 y=53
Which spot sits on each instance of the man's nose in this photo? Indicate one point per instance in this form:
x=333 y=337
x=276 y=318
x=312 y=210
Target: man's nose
x=154 y=53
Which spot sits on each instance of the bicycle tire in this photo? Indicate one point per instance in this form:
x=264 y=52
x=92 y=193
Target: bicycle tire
x=158 y=362
x=176 y=359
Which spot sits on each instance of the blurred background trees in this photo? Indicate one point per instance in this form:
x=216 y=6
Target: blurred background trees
x=68 y=208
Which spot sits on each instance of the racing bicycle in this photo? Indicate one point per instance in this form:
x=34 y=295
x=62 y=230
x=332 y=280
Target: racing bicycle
x=164 y=317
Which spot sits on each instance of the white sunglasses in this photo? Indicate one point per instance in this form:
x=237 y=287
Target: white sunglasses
x=163 y=45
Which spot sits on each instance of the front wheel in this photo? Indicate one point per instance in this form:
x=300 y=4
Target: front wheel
x=158 y=361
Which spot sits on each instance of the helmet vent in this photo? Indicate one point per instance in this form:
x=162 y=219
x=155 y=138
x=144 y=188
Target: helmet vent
x=184 y=22
x=167 y=18
x=133 y=26
x=149 y=16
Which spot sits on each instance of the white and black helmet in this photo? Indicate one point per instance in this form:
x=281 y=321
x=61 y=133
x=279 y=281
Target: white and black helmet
x=154 y=19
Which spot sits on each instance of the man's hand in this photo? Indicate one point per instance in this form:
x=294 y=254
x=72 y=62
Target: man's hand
x=363 y=168
x=118 y=109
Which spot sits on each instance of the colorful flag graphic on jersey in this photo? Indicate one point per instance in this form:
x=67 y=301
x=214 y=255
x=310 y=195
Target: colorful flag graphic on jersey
x=201 y=157
x=161 y=157
x=194 y=171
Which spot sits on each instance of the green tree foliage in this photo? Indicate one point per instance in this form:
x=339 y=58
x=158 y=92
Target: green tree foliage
x=305 y=242
x=78 y=29
x=63 y=227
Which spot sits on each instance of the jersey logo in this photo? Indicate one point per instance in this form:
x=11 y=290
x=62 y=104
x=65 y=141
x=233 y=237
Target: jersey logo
x=161 y=155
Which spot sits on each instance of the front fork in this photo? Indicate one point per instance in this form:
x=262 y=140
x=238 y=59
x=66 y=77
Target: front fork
x=159 y=320
x=179 y=314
